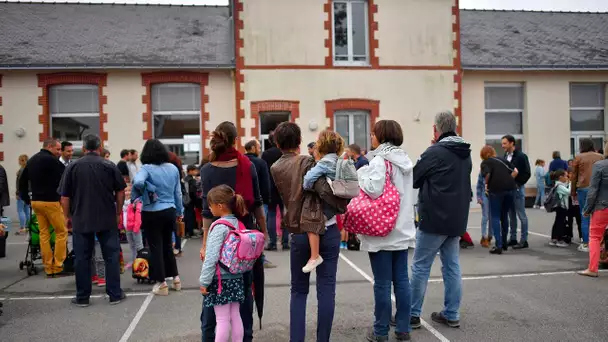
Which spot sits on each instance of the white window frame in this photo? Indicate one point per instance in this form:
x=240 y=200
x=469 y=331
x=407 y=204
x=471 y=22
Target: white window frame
x=186 y=141
x=519 y=136
x=77 y=144
x=351 y=113
x=349 y=22
x=600 y=108
x=263 y=137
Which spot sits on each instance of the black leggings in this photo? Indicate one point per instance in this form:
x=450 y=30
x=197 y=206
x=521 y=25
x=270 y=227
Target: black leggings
x=560 y=225
x=158 y=227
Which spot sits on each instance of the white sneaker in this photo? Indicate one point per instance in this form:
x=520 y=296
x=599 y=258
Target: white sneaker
x=562 y=244
x=583 y=247
x=542 y=208
x=553 y=243
x=535 y=207
x=312 y=264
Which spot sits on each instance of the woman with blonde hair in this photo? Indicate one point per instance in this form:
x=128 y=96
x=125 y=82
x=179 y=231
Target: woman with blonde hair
x=499 y=176
x=23 y=209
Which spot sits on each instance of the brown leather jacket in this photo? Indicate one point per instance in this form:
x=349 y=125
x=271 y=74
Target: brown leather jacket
x=581 y=173
x=304 y=210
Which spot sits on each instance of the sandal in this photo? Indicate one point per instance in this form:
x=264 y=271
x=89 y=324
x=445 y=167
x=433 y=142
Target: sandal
x=160 y=289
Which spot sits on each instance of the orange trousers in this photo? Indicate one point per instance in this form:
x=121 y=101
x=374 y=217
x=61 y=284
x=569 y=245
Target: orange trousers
x=51 y=214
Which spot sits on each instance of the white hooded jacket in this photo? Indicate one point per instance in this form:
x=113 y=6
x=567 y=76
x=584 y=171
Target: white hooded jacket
x=372 y=179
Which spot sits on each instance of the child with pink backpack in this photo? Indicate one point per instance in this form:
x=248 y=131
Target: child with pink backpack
x=231 y=251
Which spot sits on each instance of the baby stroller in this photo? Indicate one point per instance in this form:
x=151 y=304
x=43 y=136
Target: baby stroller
x=33 y=246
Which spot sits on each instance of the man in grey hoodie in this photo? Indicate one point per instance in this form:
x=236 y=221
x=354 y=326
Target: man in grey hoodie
x=443 y=175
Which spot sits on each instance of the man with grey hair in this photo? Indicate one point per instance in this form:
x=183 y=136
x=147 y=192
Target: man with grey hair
x=92 y=195
x=443 y=175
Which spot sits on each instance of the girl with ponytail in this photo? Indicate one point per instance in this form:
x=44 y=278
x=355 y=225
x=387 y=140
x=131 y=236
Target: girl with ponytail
x=223 y=294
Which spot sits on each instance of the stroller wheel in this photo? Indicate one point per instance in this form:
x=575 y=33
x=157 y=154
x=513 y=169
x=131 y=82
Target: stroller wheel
x=35 y=270
x=30 y=271
x=21 y=265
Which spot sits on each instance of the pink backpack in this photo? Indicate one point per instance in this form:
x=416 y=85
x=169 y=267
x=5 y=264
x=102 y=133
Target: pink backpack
x=241 y=248
x=374 y=217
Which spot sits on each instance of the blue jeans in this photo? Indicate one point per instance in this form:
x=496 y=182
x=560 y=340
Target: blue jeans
x=84 y=244
x=581 y=194
x=390 y=268
x=519 y=210
x=427 y=246
x=540 y=195
x=24 y=212
x=271 y=217
x=329 y=249
x=485 y=216
x=501 y=204
x=246 y=309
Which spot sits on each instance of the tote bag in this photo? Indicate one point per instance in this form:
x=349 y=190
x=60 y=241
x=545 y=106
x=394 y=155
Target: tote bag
x=374 y=217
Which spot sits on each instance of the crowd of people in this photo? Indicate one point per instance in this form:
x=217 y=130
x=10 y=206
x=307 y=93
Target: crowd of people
x=149 y=200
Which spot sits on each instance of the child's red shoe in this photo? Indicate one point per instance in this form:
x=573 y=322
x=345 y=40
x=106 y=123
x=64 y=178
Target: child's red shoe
x=101 y=282
x=94 y=279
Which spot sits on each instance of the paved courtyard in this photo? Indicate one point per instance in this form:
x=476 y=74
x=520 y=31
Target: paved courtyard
x=529 y=295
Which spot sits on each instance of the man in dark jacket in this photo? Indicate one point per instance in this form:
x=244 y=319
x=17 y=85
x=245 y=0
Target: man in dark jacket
x=42 y=175
x=195 y=201
x=521 y=162
x=270 y=156
x=443 y=175
x=5 y=197
x=253 y=149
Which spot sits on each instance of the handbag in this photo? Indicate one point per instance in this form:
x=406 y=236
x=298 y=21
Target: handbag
x=180 y=229
x=374 y=217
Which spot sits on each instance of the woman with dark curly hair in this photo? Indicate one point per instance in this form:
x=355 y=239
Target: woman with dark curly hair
x=158 y=183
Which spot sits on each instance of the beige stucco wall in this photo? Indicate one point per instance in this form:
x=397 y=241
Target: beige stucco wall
x=415 y=32
x=19 y=109
x=546 y=118
x=410 y=97
x=286 y=32
x=221 y=99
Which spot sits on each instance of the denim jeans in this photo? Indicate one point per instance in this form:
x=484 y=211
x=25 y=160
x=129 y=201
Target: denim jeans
x=540 y=195
x=390 y=268
x=485 y=216
x=24 y=213
x=246 y=309
x=581 y=194
x=519 y=210
x=84 y=243
x=271 y=218
x=329 y=249
x=501 y=204
x=427 y=245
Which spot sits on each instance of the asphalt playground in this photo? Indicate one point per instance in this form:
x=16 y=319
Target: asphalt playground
x=528 y=295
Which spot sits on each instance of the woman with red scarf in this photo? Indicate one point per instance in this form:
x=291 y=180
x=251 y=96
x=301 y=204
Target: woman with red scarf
x=230 y=167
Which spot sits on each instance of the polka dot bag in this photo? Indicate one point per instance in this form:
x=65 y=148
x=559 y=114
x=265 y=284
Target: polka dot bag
x=374 y=217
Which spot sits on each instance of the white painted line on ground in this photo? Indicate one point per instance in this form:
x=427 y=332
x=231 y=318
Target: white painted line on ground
x=137 y=318
x=131 y=294
x=16 y=243
x=184 y=242
x=530 y=233
x=371 y=280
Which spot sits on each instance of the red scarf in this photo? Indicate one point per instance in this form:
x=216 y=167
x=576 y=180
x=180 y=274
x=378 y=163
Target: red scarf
x=244 y=184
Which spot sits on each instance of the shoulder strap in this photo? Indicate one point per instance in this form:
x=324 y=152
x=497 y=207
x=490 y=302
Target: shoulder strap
x=221 y=221
x=503 y=163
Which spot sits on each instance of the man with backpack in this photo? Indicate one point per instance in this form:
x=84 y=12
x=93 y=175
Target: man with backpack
x=522 y=164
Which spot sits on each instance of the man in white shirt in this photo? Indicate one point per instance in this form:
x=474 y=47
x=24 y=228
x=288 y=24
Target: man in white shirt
x=132 y=164
x=67 y=150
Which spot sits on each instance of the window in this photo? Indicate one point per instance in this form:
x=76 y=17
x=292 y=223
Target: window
x=353 y=126
x=350 y=34
x=74 y=111
x=504 y=107
x=176 y=109
x=587 y=104
x=268 y=123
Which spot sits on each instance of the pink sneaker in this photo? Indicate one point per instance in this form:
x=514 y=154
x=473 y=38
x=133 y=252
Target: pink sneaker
x=129 y=266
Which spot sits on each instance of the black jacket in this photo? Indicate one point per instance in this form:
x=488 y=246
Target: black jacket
x=263 y=176
x=521 y=162
x=270 y=156
x=192 y=188
x=5 y=196
x=443 y=175
x=42 y=175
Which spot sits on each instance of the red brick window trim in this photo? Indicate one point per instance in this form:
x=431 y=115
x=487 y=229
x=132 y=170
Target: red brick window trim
x=257 y=107
x=45 y=81
x=370 y=106
x=149 y=79
x=372 y=25
x=1 y=122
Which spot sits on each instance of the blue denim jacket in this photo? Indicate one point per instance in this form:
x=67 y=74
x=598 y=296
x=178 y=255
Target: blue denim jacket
x=324 y=167
x=481 y=186
x=166 y=179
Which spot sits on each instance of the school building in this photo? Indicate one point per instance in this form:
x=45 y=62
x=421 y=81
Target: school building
x=134 y=72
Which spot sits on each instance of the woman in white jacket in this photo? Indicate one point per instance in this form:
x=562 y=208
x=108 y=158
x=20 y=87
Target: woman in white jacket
x=388 y=255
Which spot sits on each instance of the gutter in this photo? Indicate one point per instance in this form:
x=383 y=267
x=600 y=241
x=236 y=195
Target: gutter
x=534 y=68
x=113 y=66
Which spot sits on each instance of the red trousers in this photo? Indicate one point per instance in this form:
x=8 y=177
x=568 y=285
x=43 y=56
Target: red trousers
x=599 y=221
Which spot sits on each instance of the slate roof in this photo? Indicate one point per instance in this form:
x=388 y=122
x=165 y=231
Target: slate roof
x=39 y=35
x=533 y=40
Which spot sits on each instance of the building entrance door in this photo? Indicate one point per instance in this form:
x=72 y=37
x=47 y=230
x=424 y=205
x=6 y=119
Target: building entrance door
x=268 y=123
x=575 y=142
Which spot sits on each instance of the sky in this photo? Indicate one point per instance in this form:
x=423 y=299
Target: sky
x=536 y=5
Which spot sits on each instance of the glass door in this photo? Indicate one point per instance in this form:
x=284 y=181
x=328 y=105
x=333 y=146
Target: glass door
x=575 y=142
x=268 y=123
